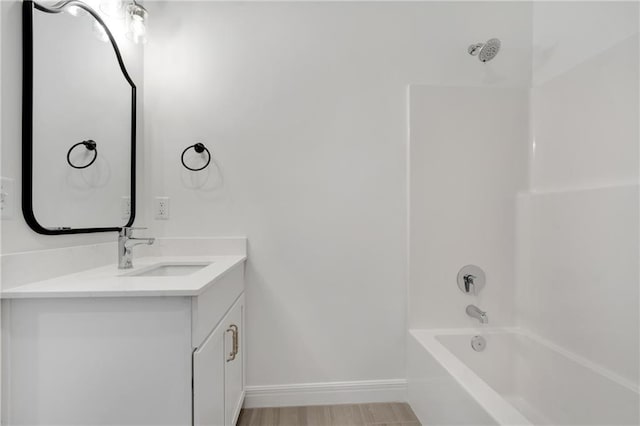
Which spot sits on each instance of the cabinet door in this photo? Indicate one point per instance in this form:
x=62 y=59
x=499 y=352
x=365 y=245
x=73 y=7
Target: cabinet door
x=234 y=362
x=208 y=380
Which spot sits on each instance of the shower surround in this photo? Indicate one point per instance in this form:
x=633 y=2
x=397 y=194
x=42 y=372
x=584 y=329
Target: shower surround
x=539 y=187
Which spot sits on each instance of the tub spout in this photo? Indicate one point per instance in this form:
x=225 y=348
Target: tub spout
x=474 y=312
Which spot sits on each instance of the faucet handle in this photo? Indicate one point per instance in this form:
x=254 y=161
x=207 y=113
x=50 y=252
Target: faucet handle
x=469 y=285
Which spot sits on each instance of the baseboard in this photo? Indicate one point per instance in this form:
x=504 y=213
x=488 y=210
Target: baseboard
x=366 y=391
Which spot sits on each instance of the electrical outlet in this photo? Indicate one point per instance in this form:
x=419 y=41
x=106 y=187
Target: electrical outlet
x=162 y=208
x=126 y=207
x=7 y=198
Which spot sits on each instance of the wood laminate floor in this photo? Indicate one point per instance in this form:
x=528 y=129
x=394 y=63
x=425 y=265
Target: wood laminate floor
x=383 y=414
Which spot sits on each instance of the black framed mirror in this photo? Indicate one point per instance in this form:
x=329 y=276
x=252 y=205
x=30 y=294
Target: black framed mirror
x=78 y=123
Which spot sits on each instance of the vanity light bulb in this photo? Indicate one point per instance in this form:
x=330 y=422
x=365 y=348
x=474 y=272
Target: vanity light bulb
x=73 y=10
x=137 y=23
x=138 y=29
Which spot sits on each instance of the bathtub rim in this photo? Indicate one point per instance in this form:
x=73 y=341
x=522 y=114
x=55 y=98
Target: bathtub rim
x=501 y=411
x=496 y=406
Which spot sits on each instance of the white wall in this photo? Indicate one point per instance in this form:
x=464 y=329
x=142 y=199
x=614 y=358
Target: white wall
x=586 y=122
x=468 y=156
x=579 y=264
x=566 y=33
x=304 y=106
x=579 y=288
x=16 y=235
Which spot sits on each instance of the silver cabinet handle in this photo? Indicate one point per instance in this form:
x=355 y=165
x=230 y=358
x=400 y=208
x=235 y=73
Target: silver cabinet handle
x=234 y=350
x=236 y=340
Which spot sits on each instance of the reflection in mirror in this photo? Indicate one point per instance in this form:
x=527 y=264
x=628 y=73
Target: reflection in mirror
x=83 y=123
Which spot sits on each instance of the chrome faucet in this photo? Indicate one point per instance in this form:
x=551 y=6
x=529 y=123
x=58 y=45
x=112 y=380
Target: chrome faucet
x=125 y=245
x=474 y=312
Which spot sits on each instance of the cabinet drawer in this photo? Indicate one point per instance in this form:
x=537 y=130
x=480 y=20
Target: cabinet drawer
x=208 y=309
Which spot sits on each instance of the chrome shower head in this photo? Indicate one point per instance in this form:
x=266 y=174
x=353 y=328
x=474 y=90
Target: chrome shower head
x=485 y=51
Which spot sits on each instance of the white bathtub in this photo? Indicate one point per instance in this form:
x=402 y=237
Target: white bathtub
x=518 y=379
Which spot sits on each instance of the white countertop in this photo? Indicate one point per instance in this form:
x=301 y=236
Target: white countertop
x=109 y=281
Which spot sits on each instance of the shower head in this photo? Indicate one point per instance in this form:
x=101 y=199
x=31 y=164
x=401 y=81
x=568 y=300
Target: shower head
x=485 y=51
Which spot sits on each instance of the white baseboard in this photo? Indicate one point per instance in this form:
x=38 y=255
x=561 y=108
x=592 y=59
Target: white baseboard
x=366 y=391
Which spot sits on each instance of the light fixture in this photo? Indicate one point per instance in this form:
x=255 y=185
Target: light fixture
x=134 y=15
x=112 y=8
x=137 y=18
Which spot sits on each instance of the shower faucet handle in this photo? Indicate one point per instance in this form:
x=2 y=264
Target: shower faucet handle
x=469 y=285
x=471 y=279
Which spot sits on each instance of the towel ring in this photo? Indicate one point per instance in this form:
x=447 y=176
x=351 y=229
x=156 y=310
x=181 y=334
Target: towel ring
x=91 y=146
x=199 y=148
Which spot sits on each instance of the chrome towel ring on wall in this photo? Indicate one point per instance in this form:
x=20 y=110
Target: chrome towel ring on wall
x=91 y=146
x=199 y=148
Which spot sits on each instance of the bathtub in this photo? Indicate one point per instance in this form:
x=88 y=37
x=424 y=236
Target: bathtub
x=519 y=379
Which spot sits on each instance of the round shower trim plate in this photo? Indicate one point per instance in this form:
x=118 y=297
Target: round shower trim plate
x=479 y=278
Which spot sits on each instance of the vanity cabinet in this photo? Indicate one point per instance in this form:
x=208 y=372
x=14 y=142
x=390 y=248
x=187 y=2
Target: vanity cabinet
x=158 y=359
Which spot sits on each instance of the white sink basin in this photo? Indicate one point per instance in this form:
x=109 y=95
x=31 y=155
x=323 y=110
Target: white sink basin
x=169 y=270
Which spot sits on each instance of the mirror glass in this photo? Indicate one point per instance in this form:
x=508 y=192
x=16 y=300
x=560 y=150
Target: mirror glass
x=83 y=125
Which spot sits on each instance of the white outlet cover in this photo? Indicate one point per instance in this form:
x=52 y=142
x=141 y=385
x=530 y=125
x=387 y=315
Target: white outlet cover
x=162 y=208
x=7 y=198
x=125 y=207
